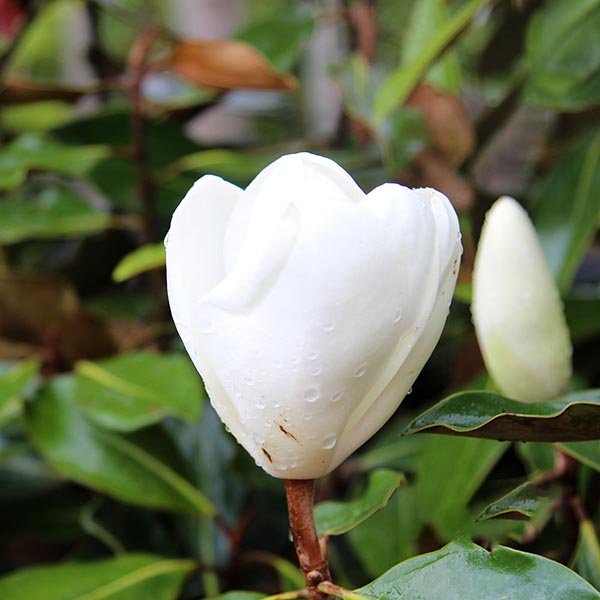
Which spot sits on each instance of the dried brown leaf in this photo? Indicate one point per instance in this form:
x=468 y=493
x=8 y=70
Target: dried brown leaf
x=226 y=65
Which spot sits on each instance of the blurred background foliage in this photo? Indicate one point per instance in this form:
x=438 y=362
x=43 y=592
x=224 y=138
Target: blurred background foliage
x=110 y=109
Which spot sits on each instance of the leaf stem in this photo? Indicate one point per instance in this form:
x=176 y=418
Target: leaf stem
x=339 y=592
x=300 y=493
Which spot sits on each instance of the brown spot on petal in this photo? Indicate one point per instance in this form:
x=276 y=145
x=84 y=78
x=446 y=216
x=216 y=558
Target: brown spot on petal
x=267 y=455
x=287 y=433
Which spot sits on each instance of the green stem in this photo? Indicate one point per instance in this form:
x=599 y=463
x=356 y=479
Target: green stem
x=339 y=592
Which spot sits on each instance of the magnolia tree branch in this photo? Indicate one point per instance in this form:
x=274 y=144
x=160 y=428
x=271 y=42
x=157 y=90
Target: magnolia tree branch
x=300 y=493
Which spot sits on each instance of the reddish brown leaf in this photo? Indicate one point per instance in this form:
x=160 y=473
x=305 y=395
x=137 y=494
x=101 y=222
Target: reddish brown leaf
x=38 y=311
x=12 y=17
x=226 y=65
x=452 y=132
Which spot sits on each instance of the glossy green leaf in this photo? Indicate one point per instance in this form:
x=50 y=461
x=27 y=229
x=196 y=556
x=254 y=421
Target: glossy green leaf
x=145 y=258
x=465 y=571
x=450 y=470
x=335 y=518
x=563 y=52
x=128 y=577
x=29 y=152
x=586 y=560
x=55 y=213
x=522 y=503
x=566 y=207
x=133 y=390
x=14 y=381
x=279 y=37
x=480 y=414
x=120 y=466
x=399 y=83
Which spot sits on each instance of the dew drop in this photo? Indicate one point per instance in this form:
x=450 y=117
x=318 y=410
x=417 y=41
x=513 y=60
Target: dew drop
x=260 y=403
x=361 y=370
x=236 y=393
x=206 y=326
x=397 y=316
x=327 y=326
x=277 y=363
x=249 y=380
x=337 y=396
x=276 y=404
x=409 y=391
x=311 y=393
x=312 y=355
x=296 y=361
x=329 y=441
x=282 y=467
x=307 y=417
x=314 y=371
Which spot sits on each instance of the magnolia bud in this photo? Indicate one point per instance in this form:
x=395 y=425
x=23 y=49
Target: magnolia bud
x=517 y=311
x=308 y=307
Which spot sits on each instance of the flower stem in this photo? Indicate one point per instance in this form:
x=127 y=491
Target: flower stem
x=300 y=494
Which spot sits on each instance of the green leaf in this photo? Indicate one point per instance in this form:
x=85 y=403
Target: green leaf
x=587 y=453
x=566 y=207
x=29 y=152
x=563 y=52
x=426 y=18
x=576 y=417
x=238 y=596
x=119 y=466
x=335 y=518
x=233 y=166
x=55 y=213
x=586 y=560
x=14 y=382
x=145 y=258
x=134 y=390
x=399 y=83
x=522 y=503
x=279 y=37
x=35 y=117
x=449 y=472
x=464 y=571
x=129 y=577
x=583 y=317
x=380 y=552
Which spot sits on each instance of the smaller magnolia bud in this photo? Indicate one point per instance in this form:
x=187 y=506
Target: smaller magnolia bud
x=517 y=311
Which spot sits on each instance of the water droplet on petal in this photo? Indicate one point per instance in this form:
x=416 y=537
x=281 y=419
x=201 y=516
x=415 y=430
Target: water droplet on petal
x=237 y=394
x=277 y=363
x=311 y=393
x=206 y=326
x=328 y=326
x=260 y=403
x=314 y=371
x=329 y=441
x=397 y=316
x=312 y=355
x=307 y=417
x=249 y=380
x=361 y=370
x=337 y=396
x=409 y=391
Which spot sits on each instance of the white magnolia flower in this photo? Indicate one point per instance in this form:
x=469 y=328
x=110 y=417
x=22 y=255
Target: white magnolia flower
x=517 y=311
x=308 y=307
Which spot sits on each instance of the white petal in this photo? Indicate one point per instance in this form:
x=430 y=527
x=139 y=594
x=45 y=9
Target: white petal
x=291 y=180
x=194 y=248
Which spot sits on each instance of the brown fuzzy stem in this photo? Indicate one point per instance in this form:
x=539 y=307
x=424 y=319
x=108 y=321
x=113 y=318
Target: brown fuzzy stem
x=300 y=494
